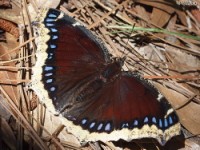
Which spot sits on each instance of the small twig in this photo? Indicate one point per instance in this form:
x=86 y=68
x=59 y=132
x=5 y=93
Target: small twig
x=185 y=103
x=14 y=68
x=14 y=82
x=17 y=59
x=171 y=77
x=105 y=16
x=18 y=47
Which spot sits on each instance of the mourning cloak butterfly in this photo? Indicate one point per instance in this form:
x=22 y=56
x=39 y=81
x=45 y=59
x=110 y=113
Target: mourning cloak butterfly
x=75 y=78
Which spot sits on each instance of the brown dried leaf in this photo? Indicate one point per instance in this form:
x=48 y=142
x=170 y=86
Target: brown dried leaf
x=142 y=12
x=160 y=17
x=196 y=14
x=180 y=61
x=167 y=7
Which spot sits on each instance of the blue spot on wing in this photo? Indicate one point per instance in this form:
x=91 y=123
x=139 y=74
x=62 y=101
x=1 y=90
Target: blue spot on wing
x=49 y=24
x=49 y=81
x=48 y=74
x=54 y=37
x=160 y=123
x=170 y=120
x=48 y=68
x=146 y=119
x=53 y=30
x=92 y=125
x=165 y=122
x=49 y=20
x=84 y=121
x=135 y=123
x=52 y=16
x=52 y=46
x=52 y=89
x=100 y=126
x=108 y=127
x=154 y=120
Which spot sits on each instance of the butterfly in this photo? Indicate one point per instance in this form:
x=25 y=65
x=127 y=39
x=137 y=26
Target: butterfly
x=75 y=78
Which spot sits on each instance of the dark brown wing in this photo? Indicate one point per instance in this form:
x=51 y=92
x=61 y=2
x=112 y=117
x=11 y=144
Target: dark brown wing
x=128 y=102
x=74 y=59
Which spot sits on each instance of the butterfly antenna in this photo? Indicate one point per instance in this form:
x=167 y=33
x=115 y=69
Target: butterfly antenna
x=129 y=36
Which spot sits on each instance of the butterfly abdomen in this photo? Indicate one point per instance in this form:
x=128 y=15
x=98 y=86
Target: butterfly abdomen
x=106 y=75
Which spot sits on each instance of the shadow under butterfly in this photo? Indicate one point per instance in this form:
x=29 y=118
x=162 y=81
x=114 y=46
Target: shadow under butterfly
x=76 y=79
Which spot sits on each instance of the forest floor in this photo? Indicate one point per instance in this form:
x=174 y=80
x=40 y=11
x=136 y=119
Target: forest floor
x=160 y=39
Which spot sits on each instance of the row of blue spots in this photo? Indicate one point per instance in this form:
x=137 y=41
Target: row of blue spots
x=49 y=22
x=50 y=54
x=49 y=80
x=161 y=123
x=166 y=122
x=106 y=127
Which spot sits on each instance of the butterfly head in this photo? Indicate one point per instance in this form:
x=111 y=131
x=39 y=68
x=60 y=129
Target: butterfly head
x=119 y=60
